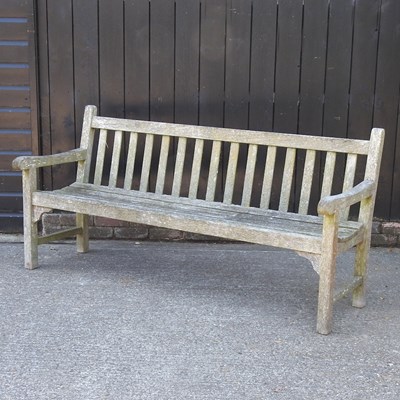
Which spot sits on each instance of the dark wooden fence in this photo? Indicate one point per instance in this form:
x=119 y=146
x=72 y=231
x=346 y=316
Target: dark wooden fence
x=322 y=67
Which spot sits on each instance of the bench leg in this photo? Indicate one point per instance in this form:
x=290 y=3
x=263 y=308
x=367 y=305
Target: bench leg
x=360 y=269
x=327 y=275
x=82 y=239
x=30 y=242
x=29 y=183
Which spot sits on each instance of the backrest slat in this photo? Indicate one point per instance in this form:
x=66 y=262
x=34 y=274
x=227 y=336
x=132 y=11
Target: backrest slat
x=307 y=181
x=287 y=179
x=329 y=171
x=180 y=160
x=213 y=170
x=130 y=163
x=115 y=159
x=268 y=177
x=249 y=174
x=101 y=151
x=231 y=173
x=162 y=164
x=196 y=166
x=348 y=183
x=148 y=150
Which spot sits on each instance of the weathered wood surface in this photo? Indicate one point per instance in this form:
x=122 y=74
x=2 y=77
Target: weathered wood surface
x=319 y=238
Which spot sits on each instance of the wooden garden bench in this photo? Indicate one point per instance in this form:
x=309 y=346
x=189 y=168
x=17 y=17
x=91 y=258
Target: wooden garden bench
x=188 y=178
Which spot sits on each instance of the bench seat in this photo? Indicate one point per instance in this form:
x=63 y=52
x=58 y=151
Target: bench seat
x=269 y=227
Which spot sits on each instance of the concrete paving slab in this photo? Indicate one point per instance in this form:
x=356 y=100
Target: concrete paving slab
x=191 y=321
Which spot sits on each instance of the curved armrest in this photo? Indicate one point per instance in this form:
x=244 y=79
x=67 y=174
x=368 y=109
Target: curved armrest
x=333 y=204
x=26 y=162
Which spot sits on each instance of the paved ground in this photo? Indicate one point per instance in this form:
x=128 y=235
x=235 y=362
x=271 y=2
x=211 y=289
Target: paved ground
x=190 y=321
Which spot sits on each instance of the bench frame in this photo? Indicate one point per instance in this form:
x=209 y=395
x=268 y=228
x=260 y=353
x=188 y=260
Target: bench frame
x=333 y=208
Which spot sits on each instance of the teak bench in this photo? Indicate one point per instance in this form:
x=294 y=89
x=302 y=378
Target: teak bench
x=170 y=175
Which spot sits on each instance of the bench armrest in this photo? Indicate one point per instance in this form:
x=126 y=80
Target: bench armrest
x=333 y=204
x=26 y=162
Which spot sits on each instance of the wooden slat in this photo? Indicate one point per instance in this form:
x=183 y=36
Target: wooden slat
x=287 y=179
x=328 y=174
x=268 y=177
x=196 y=167
x=348 y=183
x=249 y=175
x=213 y=170
x=15 y=8
x=10 y=182
x=148 y=150
x=212 y=62
x=101 y=150
x=14 y=98
x=14 y=76
x=262 y=71
x=15 y=120
x=130 y=162
x=115 y=159
x=13 y=31
x=179 y=161
x=137 y=59
x=10 y=203
x=231 y=173
x=15 y=141
x=187 y=55
x=162 y=164
x=6 y=160
x=14 y=54
x=308 y=174
x=223 y=134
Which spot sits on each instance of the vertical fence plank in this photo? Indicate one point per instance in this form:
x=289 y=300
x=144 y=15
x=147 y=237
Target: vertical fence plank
x=111 y=55
x=86 y=56
x=187 y=61
x=162 y=45
x=263 y=42
x=386 y=110
x=61 y=87
x=212 y=68
x=137 y=58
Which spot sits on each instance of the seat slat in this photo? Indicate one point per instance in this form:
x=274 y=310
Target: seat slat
x=115 y=159
x=195 y=215
x=307 y=181
x=213 y=170
x=179 y=162
x=101 y=151
x=130 y=163
x=287 y=179
x=162 y=164
x=231 y=173
x=249 y=175
x=196 y=167
x=148 y=150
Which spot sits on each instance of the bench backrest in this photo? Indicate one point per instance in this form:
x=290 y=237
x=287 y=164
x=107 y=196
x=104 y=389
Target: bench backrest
x=250 y=168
